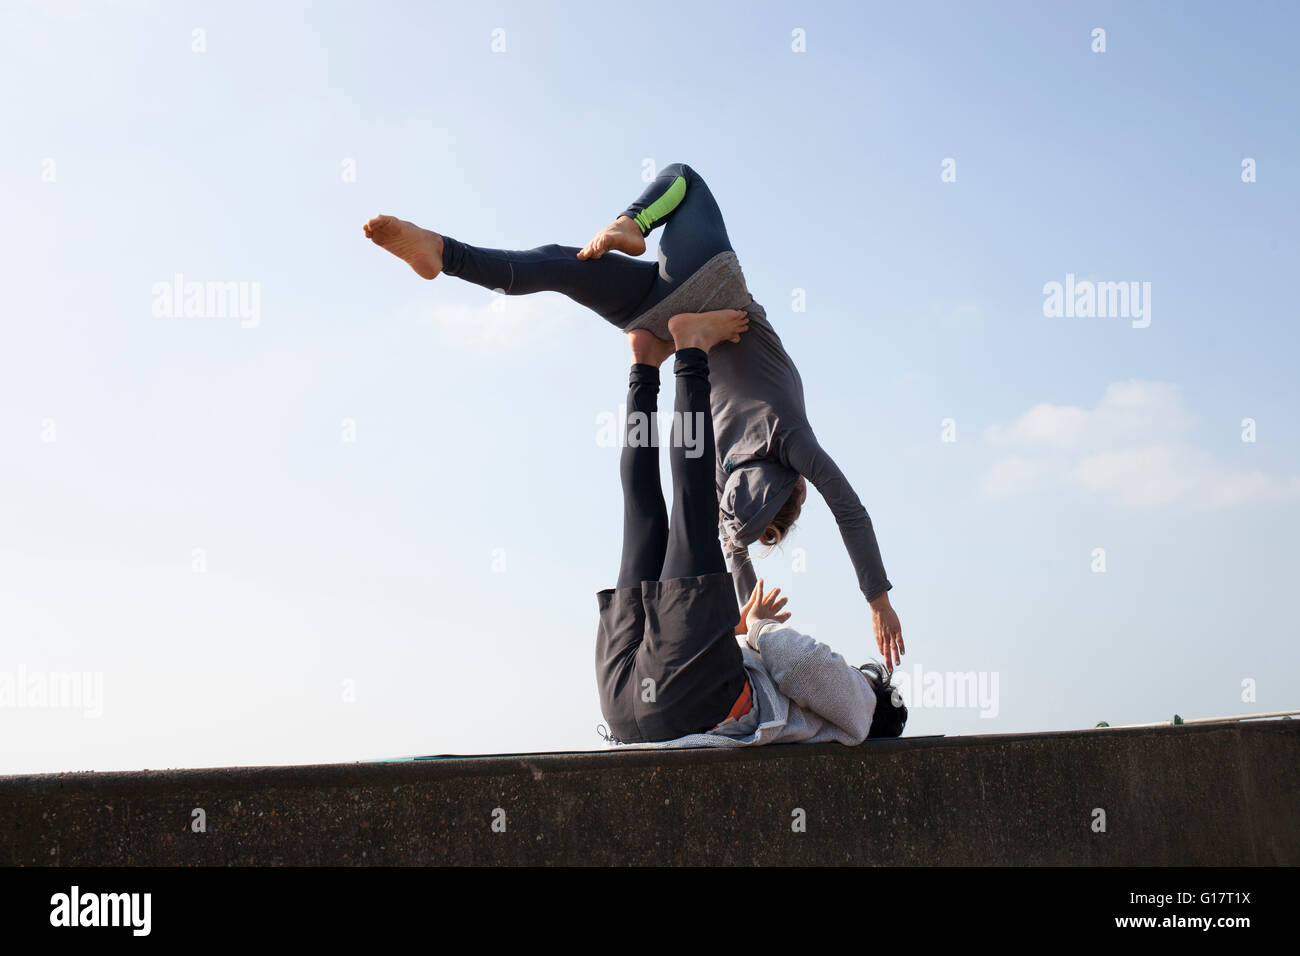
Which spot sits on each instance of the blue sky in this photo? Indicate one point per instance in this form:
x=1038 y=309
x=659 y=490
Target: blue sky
x=429 y=586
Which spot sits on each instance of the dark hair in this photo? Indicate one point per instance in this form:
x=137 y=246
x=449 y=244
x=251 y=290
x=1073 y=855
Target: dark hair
x=785 y=518
x=891 y=713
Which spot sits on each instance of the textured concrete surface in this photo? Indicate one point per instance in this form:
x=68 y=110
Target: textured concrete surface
x=1208 y=794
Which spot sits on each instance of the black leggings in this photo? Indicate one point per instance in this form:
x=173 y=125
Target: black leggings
x=616 y=287
x=656 y=547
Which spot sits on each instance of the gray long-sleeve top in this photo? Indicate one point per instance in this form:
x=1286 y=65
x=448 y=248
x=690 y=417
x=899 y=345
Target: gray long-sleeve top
x=761 y=430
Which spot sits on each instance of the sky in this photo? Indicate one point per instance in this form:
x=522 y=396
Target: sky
x=363 y=515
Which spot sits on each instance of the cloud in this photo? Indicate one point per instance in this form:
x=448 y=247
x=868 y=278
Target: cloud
x=1139 y=476
x=1127 y=411
x=1053 y=424
x=1131 y=447
x=1163 y=475
x=1012 y=476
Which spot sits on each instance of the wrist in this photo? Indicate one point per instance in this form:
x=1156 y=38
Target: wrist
x=880 y=601
x=751 y=635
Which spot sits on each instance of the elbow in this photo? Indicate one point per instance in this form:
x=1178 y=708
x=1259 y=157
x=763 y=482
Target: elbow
x=859 y=726
x=861 y=717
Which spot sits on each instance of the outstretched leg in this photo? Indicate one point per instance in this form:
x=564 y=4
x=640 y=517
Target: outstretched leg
x=645 y=518
x=693 y=547
x=656 y=547
x=612 y=287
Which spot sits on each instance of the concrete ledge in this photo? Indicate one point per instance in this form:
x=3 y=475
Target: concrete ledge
x=1213 y=794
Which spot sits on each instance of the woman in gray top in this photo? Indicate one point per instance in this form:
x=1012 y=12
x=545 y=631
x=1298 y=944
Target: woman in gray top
x=766 y=448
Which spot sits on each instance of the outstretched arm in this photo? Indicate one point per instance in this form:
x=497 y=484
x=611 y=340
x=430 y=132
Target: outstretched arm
x=736 y=555
x=742 y=571
x=801 y=451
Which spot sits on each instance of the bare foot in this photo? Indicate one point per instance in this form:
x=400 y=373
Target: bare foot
x=648 y=348
x=703 y=330
x=621 y=235
x=420 y=248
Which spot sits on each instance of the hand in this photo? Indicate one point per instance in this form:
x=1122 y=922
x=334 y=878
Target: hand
x=761 y=607
x=889 y=633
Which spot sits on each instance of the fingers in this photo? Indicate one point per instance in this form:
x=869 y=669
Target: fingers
x=769 y=605
x=895 y=649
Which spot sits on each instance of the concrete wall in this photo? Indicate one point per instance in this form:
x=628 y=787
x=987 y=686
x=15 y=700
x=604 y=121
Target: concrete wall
x=1209 y=794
